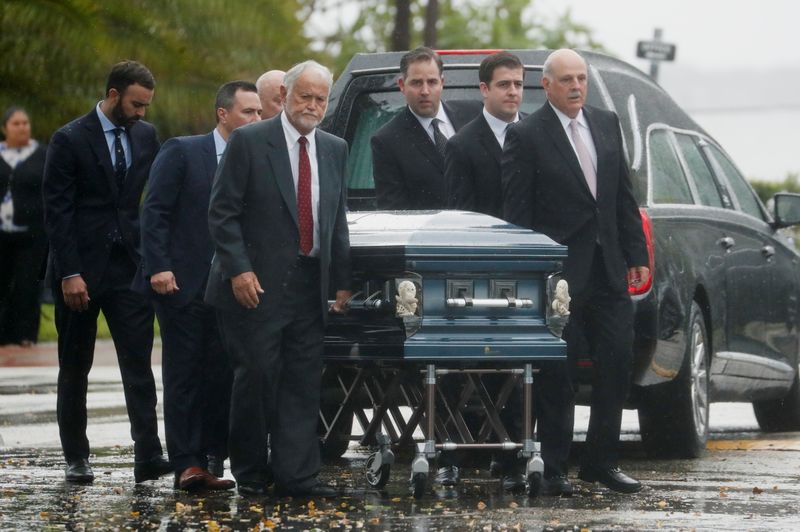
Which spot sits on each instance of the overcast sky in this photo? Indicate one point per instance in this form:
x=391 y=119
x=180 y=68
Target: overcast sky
x=710 y=34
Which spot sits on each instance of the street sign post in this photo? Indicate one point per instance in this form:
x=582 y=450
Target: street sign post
x=655 y=51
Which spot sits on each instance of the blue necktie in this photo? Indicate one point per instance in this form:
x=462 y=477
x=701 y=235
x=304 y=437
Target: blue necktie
x=120 y=167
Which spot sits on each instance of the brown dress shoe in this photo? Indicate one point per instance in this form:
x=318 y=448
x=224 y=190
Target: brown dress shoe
x=196 y=478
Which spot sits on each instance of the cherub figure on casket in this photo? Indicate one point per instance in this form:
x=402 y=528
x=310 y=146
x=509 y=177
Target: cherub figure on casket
x=406 y=299
x=561 y=299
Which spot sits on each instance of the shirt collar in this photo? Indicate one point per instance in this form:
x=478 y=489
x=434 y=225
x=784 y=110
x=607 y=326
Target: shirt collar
x=425 y=121
x=107 y=125
x=219 y=143
x=497 y=126
x=565 y=120
x=292 y=135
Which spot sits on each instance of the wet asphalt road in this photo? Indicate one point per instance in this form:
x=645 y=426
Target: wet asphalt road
x=747 y=480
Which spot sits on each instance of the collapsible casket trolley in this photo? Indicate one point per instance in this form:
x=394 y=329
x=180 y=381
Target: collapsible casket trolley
x=451 y=310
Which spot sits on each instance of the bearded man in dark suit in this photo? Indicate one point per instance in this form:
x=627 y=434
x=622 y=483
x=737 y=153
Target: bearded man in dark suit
x=408 y=152
x=277 y=220
x=95 y=171
x=565 y=174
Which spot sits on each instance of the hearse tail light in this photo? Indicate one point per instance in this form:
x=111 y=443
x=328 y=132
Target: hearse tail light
x=647 y=228
x=557 y=311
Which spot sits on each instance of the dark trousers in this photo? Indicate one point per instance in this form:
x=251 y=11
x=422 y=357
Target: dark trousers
x=197 y=384
x=130 y=321
x=277 y=374
x=601 y=321
x=21 y=257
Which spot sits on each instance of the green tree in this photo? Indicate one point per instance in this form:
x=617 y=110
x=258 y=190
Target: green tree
x=767 y=189
x=506 y=24
x=57 y=53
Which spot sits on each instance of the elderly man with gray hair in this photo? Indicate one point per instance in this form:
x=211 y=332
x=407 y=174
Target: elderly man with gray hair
x=277 y=221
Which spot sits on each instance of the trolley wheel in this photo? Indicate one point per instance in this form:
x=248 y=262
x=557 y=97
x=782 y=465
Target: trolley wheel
x=377 y=479
x=418 y=483
x=534 y=484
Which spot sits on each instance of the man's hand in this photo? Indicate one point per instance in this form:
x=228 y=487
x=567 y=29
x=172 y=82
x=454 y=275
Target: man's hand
x=246 y=289
x=340 y=305
x=76 y=294
x=638 y=276
x=164 y=283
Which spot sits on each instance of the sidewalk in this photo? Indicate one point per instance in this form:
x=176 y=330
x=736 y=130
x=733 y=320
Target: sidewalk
x=45 y=354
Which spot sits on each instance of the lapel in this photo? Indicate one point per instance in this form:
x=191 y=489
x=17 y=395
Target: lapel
x=420 y=139
x=208 y=154
x=328 y=195
x=489 y=141
x=97 y=142
x=559 y=137
x=278 y=158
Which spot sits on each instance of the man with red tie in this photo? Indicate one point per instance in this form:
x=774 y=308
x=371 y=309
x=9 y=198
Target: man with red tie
x=277 y=221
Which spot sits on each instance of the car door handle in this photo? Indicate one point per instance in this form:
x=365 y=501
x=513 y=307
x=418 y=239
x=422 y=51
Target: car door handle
x=768 y=251
x=727 y=242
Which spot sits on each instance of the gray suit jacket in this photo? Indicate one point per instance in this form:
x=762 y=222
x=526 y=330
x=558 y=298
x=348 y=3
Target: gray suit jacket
x=252 y=217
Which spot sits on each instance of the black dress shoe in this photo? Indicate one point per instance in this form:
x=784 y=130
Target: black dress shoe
x=447 y=475
x=252 y=490
x=315 y=490
x=514 y=482
x=611 y=477
x=151 y=469
x=216 y=465
x=557 y=486
x=79 y=471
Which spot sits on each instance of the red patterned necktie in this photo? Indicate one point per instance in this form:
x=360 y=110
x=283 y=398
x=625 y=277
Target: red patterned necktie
x=304 y=215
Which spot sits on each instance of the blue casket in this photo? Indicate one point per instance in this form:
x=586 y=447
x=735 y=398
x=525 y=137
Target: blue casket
x=449 y=286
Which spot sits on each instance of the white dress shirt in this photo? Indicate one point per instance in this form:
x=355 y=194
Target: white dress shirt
x=292 y=136
x=498 y=127
x=445 y=126
x=219 y=144
x=583 y=129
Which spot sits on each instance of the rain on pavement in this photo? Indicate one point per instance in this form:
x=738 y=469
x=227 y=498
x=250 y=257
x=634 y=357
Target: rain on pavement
x=747 y=480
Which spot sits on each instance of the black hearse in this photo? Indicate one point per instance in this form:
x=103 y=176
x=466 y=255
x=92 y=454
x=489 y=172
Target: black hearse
x=719 y=322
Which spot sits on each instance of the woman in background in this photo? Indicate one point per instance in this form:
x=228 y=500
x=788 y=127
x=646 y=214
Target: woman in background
x=23 y=244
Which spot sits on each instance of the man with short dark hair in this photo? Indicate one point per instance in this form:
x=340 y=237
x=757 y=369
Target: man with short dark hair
x=473 y=173
x=278 y=224
x=565 y=174
x=408 y=152
x=96 y=169
x=177 y=251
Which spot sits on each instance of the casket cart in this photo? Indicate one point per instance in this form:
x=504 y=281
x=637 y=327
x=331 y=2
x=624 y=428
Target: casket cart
x=440 y=293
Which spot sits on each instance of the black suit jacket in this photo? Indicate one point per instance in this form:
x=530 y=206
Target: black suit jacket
x=544 y=189
x=407 y=168
x=175 y=218
x=472 y=169
x=84 y=209
x=252 y=216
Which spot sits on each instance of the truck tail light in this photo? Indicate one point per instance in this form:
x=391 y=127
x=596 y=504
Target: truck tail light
x=647 y=228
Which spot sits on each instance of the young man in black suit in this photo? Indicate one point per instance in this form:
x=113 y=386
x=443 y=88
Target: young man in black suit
x=278 y=224
x=472 y=172
x=408 y=152
x=565 y=174
x=95 y=171
x=176 y=255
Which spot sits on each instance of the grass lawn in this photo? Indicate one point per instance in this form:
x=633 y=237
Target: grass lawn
x=47 y=326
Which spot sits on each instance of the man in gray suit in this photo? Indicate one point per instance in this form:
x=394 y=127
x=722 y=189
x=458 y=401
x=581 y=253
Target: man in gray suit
x=277 y=221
